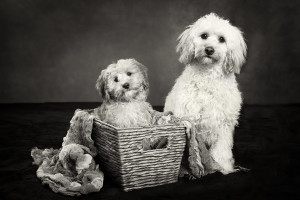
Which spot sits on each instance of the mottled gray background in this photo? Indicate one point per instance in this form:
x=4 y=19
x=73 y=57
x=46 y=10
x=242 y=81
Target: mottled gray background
x=54 y=50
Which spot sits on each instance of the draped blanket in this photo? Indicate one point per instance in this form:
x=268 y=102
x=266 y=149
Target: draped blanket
x=71 y=170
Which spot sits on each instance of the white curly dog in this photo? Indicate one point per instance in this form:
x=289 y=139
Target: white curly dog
x=213 y=51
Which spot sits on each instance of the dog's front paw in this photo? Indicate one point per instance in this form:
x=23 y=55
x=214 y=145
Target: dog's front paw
x=235 y=170
x=238 y=168
x=163 y=120
x=188 y=128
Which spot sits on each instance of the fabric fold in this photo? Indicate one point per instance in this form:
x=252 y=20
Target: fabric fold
x=71 y=170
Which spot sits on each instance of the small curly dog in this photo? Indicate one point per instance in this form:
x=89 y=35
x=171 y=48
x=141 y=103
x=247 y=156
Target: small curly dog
x=124 y=88
x=213 y=51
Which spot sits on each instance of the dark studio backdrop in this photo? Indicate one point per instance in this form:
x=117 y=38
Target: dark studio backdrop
x=53 y=51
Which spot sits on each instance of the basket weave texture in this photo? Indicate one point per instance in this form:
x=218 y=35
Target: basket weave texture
x=125 y=161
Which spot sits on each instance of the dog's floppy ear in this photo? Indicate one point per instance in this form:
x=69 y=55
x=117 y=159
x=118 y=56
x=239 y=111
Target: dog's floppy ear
x=185 y=46
x=145 y=82
x=101 y=85
x=144 y=71
x=236 y=55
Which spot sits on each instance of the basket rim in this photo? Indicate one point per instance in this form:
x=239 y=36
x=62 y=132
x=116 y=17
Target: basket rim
x=137 y=128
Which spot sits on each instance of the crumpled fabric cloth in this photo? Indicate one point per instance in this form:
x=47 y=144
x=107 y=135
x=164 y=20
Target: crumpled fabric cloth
x=71 y=170
x=196 y=161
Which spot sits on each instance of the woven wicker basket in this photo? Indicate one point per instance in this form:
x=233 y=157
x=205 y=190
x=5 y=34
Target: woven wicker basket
x=124 y=160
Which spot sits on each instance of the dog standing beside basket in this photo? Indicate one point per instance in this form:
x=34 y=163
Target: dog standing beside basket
x=213 y=51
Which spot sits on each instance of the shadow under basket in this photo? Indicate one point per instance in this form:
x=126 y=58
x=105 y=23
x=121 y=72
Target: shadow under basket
x=128 y=162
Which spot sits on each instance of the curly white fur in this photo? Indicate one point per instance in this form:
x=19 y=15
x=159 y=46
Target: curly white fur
x=124 y=88
x=213 y=51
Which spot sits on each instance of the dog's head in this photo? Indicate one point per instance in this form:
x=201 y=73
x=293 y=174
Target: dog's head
x=212 y=40
x=125 y=80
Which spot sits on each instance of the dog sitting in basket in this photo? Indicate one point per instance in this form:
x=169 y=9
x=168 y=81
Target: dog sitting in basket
x=124 y=88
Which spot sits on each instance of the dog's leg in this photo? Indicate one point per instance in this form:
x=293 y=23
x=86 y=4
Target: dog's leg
x=221 y=149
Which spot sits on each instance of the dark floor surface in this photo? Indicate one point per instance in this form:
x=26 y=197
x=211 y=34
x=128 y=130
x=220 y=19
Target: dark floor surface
x=267 y=141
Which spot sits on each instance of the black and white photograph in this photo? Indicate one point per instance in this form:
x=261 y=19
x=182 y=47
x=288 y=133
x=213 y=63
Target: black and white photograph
x=150 y=99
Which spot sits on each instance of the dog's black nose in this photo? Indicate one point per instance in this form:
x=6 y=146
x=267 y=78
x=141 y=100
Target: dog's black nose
x=209 y=51
x=126 y=85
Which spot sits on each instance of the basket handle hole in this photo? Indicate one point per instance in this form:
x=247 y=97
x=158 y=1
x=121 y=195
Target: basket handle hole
x=155 y=143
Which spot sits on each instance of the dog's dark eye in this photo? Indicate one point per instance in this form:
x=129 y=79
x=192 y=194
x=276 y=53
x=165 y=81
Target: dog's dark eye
x=116 y=79
x=204 y=36
x=129 y=73
x=221 y=39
